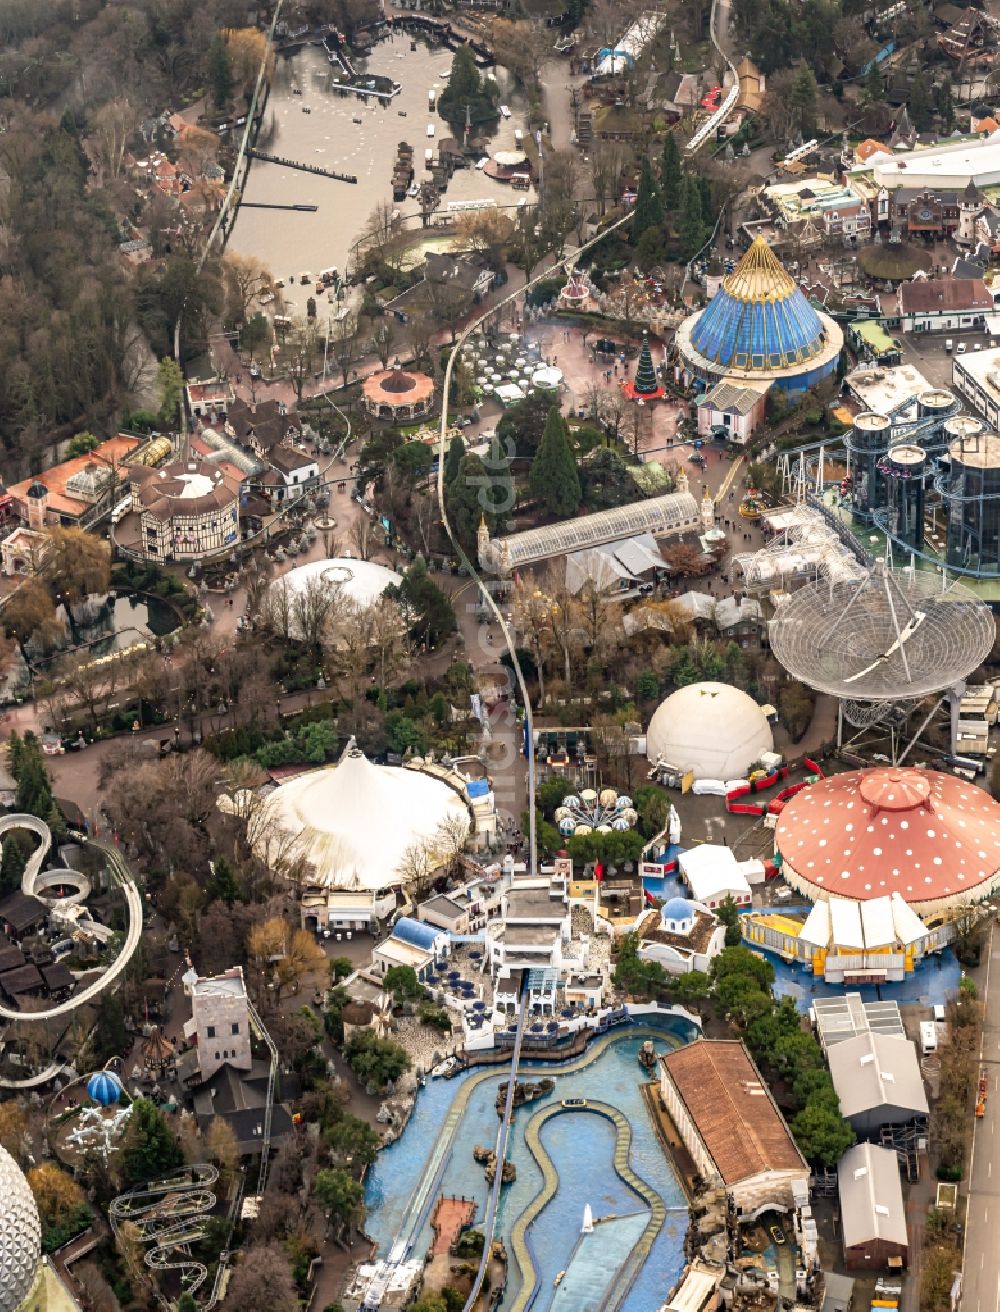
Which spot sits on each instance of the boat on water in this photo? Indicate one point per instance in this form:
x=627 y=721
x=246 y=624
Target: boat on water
x=445 y=1068
x=306 y=109
x=588 y=1221
x=357 y=119
x=481 y=164
x=430 y=129
x=504 y=111
x=558 y=1280
x=413 y=190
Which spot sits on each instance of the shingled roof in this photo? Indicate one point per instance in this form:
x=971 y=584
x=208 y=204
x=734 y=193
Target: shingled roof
x=732 y=1110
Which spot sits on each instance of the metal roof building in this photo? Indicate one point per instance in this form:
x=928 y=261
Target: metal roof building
x=847 y=1016
x=871 y=1207
x=674 y=513
x=878 y=1081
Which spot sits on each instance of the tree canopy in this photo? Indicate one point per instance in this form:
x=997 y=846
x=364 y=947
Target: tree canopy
x=553 y=478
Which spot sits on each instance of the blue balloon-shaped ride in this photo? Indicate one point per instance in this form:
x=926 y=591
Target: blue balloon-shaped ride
x=105 y=1088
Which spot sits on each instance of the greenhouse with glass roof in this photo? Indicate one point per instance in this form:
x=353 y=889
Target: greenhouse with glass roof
x=760 y=327
x=665 y=516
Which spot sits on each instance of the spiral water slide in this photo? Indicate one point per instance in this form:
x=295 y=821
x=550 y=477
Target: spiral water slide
x=35 y=884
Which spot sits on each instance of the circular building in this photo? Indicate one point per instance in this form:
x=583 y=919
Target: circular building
x=398 y=393
x=713 y=729
x=355 y=823
x=759 y=328
x=20 y=1236
x=187 y=509
x=930 y=837
x=359 y=581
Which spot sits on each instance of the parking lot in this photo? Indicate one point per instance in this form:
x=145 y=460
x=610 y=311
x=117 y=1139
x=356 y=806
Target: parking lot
x=926 y=352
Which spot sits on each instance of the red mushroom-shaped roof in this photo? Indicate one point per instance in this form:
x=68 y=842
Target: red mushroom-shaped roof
x=398 y=387
x=928 y=836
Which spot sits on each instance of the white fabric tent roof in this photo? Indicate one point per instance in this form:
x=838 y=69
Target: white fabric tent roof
x=353 y=821
x=908 y=925
x=712 y=871
x=847 y=929
x=713 y=729
x=816 y=929
x=362 y=581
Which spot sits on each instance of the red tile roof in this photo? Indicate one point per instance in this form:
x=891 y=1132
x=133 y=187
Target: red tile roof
x=927 y=294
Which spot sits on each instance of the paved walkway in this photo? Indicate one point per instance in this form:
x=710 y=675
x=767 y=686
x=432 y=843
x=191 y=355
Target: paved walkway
x=981 y=1278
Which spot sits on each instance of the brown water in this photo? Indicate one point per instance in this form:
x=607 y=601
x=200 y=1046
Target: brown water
x=290 y=242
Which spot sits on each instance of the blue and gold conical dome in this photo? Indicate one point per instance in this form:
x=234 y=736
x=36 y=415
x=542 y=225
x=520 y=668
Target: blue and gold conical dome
x=758 y=319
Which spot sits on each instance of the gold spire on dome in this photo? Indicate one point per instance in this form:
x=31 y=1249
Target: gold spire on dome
x=759 y=276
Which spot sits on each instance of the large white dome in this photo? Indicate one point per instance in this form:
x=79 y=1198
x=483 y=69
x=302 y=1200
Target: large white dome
x=20 y=1235
x=361 y=581
x=353 y=821
x=713 y=729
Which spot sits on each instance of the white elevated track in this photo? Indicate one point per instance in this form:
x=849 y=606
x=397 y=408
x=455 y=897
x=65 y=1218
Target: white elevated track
x=716 y=120
x=34 y=884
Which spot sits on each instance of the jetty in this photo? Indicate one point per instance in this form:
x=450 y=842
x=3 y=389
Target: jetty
x=273 y=205
x=297 y=164
x=444 y=32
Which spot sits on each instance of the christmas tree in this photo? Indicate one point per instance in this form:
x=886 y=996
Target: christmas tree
x=645 y=374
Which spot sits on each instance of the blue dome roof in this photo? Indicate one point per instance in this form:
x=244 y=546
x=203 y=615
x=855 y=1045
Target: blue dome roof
x=678 y=908
x=758 y=319
x=416 y=933
x=104 y=1088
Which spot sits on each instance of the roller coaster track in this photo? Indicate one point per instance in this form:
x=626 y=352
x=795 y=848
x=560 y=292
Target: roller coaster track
x=716 y=120
x=564 y=262
x=170 y=1215
x=550 y=1183
x=265 y=1143
x=119 y=874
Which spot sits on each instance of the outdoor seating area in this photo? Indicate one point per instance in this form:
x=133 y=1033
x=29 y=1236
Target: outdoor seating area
x=509 y=367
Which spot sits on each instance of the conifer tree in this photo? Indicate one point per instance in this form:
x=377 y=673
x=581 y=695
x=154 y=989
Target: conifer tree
x=671 y=176
x=648 y=212
x=553 y=478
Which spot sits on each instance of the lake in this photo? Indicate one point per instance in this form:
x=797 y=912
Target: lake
x=290 y=242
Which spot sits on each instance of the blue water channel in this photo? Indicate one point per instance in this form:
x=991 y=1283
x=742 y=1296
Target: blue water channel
x=581 y=1147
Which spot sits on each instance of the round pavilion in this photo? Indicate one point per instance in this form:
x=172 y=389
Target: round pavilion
x=713 y=729
x=354 y=823
x=759 y=327
x=359 y=581
x=398 y=393
x=931 y=837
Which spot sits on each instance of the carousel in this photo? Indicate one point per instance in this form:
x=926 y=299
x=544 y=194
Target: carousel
x=752 y=506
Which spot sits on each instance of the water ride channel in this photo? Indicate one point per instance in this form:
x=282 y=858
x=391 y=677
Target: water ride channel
x=591 y=1142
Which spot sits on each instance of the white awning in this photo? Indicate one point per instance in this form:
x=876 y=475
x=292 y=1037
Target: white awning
x=846 y=921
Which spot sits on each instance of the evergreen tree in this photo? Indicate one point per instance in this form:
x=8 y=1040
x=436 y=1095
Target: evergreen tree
x=220 y=73
x=34 y=790
x=500 y=496
x=553 y=478
x=671 y=176
x=944 y=102
x=707 y=205
x=12 y=865
x=645 y=375
x=456 y=451
x=110 y=1037
x=692 y=224
x=921 y=110
x=648 y=212
x=467 y=500
x=223 y=886
x=150 y=1148
x=802 y=100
